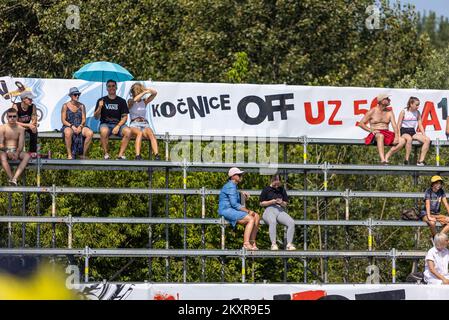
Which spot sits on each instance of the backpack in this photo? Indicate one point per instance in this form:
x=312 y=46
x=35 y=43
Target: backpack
x=415 y=277
x=410 y=214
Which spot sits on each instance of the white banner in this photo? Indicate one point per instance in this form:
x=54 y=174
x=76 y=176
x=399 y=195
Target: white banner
x=219 y=109
x=235 y=291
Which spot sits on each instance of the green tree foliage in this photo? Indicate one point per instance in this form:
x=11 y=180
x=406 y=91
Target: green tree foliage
x=306 y=42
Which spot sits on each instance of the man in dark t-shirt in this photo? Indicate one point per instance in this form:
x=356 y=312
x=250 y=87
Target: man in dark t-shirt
x=433 y=198
x=112 y=111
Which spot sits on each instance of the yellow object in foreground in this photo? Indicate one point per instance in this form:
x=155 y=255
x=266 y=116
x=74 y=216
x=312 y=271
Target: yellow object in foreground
x=44 y=284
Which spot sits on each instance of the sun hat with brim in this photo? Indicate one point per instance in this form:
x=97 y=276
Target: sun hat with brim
x=436 y=179
x=73 y=90
x=233 y=171
x=382 y=96
x=26 y=95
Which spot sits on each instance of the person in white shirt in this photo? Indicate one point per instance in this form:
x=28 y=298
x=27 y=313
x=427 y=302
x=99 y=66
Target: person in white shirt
x=437 y=260
x=411 y=128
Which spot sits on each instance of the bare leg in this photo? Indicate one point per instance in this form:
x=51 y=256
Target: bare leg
x=5 y=164
x=248 y=221
x=138 y=134
x=148 y=134
x=126 y=136
x=88 y=134
x=395 y=149
x=252 y=238
x=380 y=146
x=432 y=226
x=104 y=139
x=25 y=158
x=68 y=133
x=408 y=145
x=425 y=145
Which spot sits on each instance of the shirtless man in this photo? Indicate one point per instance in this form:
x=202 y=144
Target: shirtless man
x=379 y=119
x=12 y=140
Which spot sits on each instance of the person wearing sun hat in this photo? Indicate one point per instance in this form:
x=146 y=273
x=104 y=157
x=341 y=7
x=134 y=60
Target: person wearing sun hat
x=76 y=135
x=379 y=119
x=430 y=213
x=230 y=207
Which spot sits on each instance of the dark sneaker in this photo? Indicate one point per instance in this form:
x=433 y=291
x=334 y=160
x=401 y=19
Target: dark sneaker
x=157 y=157
x=405 y=162
x=138 y=157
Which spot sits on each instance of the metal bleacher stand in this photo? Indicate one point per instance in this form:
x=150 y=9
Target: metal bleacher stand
x=184 y=166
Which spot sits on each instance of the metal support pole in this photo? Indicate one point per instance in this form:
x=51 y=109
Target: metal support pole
x=347 y=239
x=304 y=154
x=9 y=223
x=184 y=181
x=326 y=260
x=86 y=264
x=222 y=247
x=167 y=238
x=370 y=234
x=23 y=209
x=347 y=205
x=437 y=157
x=69 y=233
x=305 y=227
x=285 y=233
x=203 y=233
x=150 y=227
x=53 y=214
x=38 y=199
x=393 y=265
x=243 y=266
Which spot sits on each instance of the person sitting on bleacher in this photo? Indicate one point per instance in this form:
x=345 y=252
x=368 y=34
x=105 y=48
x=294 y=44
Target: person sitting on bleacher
x=437 y=260
x=431 y=212
x=230 y=207
x=379 y=119
x=275 y=199
x=409 y=122
x=12 y=141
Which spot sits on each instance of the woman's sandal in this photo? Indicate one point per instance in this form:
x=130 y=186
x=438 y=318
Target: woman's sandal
x=254 y=245
x=247 y=246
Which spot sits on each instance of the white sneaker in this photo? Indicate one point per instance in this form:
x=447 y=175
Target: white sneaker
x=106 y=156
x=274 y=246
x=290 y=247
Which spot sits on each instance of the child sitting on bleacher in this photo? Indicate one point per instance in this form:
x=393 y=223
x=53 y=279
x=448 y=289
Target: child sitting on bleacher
x=431 y=211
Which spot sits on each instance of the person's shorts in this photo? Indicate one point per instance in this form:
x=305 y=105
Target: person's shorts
x=409 y=131
x=111 y=126
x=388 y=138
x=439 y=217
x=232 y=215
x=140 y=125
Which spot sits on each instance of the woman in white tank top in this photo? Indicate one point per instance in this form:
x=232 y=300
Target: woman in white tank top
x=140 y=128
x=409 y=121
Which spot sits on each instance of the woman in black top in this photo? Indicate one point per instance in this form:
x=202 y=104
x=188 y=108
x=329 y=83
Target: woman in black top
x=275 y=199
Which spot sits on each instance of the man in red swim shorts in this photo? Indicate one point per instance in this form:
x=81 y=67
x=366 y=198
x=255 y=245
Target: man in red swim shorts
x=379 y=119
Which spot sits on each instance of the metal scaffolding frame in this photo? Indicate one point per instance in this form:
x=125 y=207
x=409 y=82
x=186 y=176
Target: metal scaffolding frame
x=184 y=166
x=243 y=254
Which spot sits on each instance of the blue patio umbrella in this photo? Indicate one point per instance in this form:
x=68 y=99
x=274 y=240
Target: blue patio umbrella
x=102 y=71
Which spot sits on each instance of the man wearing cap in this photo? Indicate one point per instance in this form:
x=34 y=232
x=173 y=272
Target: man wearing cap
x=379 y=119
x=76 y=135
x=27 y=117
x=234 y=212
x=430 y=213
